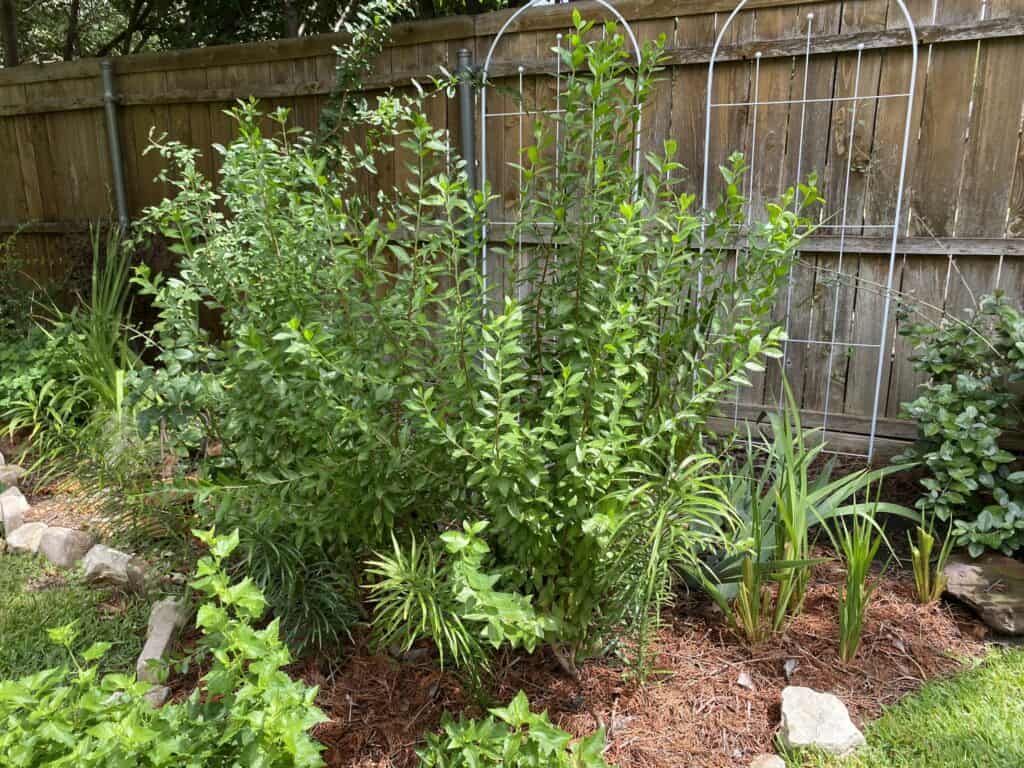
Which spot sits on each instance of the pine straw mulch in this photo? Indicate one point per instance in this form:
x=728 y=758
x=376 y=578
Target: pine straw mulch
x=64 y=506
x=696 y=710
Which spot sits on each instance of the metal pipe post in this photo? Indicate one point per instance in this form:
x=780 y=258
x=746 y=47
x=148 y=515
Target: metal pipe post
x=467 y=118
x=114 y=142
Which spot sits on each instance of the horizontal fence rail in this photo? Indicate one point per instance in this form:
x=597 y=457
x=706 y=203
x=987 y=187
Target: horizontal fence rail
x=962 y=233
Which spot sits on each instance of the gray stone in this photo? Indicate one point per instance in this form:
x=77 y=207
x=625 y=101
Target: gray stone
x=768 y=761
x=10 y=474
x=813 y=719
x=13 y=507
x=157 y=696
x=165 y=619
x=993 y=586
x=64 y=546
x=110 y=566
x=26 y=538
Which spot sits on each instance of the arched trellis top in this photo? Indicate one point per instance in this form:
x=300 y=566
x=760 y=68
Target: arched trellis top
x=485 y=69
x=831 y=342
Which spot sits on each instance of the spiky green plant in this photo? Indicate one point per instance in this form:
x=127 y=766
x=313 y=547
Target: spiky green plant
x=857 y=538
x=929 y=579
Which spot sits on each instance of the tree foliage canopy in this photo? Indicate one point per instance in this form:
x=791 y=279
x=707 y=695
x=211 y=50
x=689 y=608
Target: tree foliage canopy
x=54 y=30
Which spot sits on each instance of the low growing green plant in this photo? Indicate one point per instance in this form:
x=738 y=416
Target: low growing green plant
x=245 y=712
x=77 y=397
x=962 y=412
x=857 y=538
x=781 y=496
x=510 y=737
x=928 y=566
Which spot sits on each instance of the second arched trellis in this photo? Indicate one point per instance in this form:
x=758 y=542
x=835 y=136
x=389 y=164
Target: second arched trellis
x=894 y=225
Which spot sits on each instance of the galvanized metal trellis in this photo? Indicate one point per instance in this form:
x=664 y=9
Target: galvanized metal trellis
x=844 y=226
x=892 y=226
x=521 y=112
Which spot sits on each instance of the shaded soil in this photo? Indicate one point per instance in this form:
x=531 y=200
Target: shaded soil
x=694 y=711
x=64 y=508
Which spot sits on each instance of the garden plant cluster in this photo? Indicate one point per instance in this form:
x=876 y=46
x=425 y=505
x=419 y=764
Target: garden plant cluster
x=394 y=442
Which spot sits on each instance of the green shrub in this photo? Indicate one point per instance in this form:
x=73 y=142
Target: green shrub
x=964 y=408
x=246 y=710
x=368 y=387
x=511 y=737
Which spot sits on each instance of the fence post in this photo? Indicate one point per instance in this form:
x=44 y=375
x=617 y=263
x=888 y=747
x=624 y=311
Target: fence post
x=467 y=117
x=114 y=142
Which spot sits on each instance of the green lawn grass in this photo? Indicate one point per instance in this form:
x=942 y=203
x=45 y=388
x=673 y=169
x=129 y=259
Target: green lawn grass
x=35 y=596
x=974 y=720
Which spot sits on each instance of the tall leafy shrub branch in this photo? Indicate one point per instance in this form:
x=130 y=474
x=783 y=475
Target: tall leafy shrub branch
x=520 y=463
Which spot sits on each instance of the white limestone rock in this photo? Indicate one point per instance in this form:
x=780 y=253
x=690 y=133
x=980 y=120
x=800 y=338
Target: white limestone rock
x=165 y=619
x=158 y=695
x=13 y=507
x=813 y=719
x=11 y=474
x=110 y=566
x=65 y=547
x=26 y=538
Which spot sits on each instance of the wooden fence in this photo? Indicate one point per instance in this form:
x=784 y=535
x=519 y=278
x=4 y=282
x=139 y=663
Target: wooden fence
x=964 y=214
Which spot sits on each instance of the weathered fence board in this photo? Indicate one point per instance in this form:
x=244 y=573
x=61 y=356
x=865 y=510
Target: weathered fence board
x=964 y=214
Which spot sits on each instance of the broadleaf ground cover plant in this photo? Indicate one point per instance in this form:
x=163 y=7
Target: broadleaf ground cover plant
x=510 y=737
x=245 y=712
x=515 y=463
x=973 y=489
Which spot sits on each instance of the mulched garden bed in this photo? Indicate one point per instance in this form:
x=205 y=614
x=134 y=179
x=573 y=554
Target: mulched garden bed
x=712 y=701
x=694 y=711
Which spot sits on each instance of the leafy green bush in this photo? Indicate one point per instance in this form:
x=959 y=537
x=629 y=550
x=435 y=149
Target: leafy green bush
x=366 y=386
x=964 y=408
x=511 y=737
x=245 y=712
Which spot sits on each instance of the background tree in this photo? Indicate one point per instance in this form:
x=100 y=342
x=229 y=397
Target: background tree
x=9 y=30
x=53 y=30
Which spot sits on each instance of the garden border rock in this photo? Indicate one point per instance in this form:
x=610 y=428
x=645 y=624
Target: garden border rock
x=992 y=585
x=814 y=719
x=26 y=538
x=13 y=506
x=66 y=548
x=166 y=617
x=105 y=565
x=11 y=474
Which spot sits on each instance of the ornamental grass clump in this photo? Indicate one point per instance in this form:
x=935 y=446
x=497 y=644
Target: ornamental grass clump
x=857 y=539
x=929 y=565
